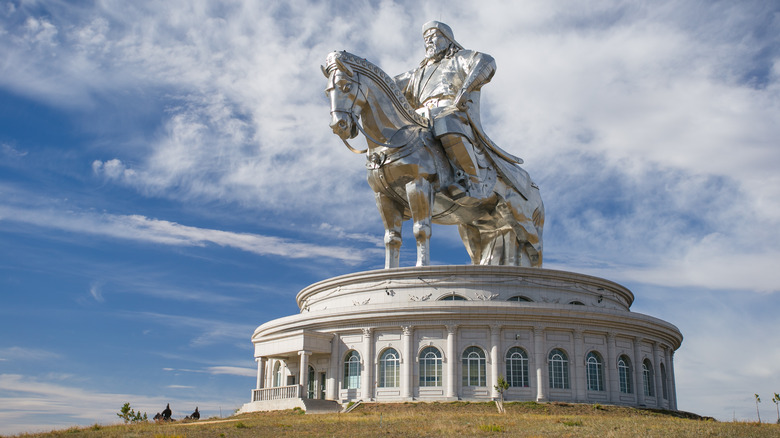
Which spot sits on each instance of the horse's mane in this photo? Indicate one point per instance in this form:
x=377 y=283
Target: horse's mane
x=382 y=79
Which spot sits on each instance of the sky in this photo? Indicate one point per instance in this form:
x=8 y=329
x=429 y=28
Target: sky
x=168 y=182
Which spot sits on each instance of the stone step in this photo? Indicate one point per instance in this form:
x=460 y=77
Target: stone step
x=321 y=406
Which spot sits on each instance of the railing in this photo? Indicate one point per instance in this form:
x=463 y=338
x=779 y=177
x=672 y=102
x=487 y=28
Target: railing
x=278 y=393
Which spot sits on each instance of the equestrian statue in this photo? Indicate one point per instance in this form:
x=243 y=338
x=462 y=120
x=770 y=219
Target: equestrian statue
x=428 y=158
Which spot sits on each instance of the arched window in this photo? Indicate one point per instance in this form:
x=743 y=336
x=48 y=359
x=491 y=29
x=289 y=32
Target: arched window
x=517 y=367
x=595 y=371
x=430 y=367
x=520 y=298
x=558 y=369
x=351 y=371
x=389 y=369
x=474 y=367
x=453 y=297
x=664 y=383
x=647 y=378
x=624 y=375
x=277 y=374
x=577 y=303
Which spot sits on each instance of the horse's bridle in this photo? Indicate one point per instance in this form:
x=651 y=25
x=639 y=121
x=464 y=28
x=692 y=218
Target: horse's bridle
x=351 y=114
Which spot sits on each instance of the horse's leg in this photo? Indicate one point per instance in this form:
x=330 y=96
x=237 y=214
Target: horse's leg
x=392 y=218
x=420 y=197
x=469 y=234
x=525 y=241
x=512 y=249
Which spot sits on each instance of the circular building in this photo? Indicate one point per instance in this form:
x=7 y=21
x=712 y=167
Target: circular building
x=440 y=333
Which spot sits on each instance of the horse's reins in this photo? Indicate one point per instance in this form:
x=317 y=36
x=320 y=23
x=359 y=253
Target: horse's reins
x=355 y=121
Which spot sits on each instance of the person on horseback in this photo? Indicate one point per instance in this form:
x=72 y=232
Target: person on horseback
x=445 y=88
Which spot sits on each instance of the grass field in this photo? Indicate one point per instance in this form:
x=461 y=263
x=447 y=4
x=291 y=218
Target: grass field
x=456 y=419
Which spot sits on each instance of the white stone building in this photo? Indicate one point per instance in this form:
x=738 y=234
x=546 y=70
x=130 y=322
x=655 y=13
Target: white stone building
x=439 y=333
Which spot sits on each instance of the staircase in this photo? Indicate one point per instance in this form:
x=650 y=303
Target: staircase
x=313 y=406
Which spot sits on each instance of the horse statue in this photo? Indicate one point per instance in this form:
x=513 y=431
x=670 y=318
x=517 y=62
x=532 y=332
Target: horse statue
x=409 y=173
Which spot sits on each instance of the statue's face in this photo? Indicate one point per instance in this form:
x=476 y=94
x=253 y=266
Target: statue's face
x=435 y=43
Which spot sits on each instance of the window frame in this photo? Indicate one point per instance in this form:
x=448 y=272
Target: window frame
x=389 y=375
x=558 y=378
x=594 y=371
x=517 y=368
x=352 y=370
x=648 y=378
x=427 y=363
x=624 y=374
x=474 y=368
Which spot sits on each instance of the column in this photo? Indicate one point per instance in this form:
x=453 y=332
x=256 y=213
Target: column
x=578 y=368
x=539 y=362
x=260 y=371
x=407 y=362
x=304 y=373
x=659 y=396
x=639 y=385
x=366 y=382
x=672 y=384
x=610 y=370
x=452 y=358
x=332 y=388
x=495 y=340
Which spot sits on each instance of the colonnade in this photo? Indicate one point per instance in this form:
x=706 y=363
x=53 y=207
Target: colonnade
x=537 y=346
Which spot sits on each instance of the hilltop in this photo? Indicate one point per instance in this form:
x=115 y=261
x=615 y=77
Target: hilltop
x=524 y=419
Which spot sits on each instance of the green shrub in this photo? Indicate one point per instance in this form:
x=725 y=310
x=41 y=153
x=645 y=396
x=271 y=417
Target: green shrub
x=491 y=427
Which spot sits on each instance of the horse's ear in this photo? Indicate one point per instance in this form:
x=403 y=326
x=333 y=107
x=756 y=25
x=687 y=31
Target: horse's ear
x=344 y=67
x=325 y=71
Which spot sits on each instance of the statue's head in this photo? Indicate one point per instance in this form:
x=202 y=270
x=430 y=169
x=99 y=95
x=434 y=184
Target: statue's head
x=438 y=38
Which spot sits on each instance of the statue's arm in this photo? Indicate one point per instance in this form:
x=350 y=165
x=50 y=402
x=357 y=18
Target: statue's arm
x=480 y=68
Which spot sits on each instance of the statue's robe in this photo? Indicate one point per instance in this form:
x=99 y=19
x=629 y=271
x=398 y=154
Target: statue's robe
x=433 y=87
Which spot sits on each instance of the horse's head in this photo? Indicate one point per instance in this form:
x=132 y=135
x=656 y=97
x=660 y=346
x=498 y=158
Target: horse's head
x=345 y=96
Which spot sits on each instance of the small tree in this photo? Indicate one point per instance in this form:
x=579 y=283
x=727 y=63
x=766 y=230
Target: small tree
x=129 y=415
x=501 y=386
x=776 y=399
x=758 y=400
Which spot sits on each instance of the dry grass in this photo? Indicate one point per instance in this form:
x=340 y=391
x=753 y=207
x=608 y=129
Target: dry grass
x=444 y=420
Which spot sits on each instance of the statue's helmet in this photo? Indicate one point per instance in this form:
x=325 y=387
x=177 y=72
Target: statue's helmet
x=443 y=28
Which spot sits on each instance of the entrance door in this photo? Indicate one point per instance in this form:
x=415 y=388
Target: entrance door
x=322 y=386
x=311 y=391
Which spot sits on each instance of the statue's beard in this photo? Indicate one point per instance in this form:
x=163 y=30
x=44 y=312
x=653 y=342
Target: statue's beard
x=432 y=54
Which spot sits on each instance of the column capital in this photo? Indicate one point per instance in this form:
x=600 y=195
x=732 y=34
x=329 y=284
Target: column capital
x=367 y=331
x=304 y=352
x=406 y=330
x=451 y=328
x=495 y=329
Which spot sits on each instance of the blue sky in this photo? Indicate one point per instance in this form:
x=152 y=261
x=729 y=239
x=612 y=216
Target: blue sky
x=168 y=182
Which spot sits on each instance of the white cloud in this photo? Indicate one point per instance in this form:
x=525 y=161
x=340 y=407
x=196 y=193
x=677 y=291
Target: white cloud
x=14 y=354
x=234 y=371
x=140 y=228
x=10 y=151
x=95 y=290
x=205 y=331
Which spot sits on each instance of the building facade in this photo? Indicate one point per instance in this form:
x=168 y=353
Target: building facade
x=440 y=333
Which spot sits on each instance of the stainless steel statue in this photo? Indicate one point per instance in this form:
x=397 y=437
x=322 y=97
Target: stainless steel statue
x=428 y=157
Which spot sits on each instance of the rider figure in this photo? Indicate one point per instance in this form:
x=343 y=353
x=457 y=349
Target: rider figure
x=445 y=87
